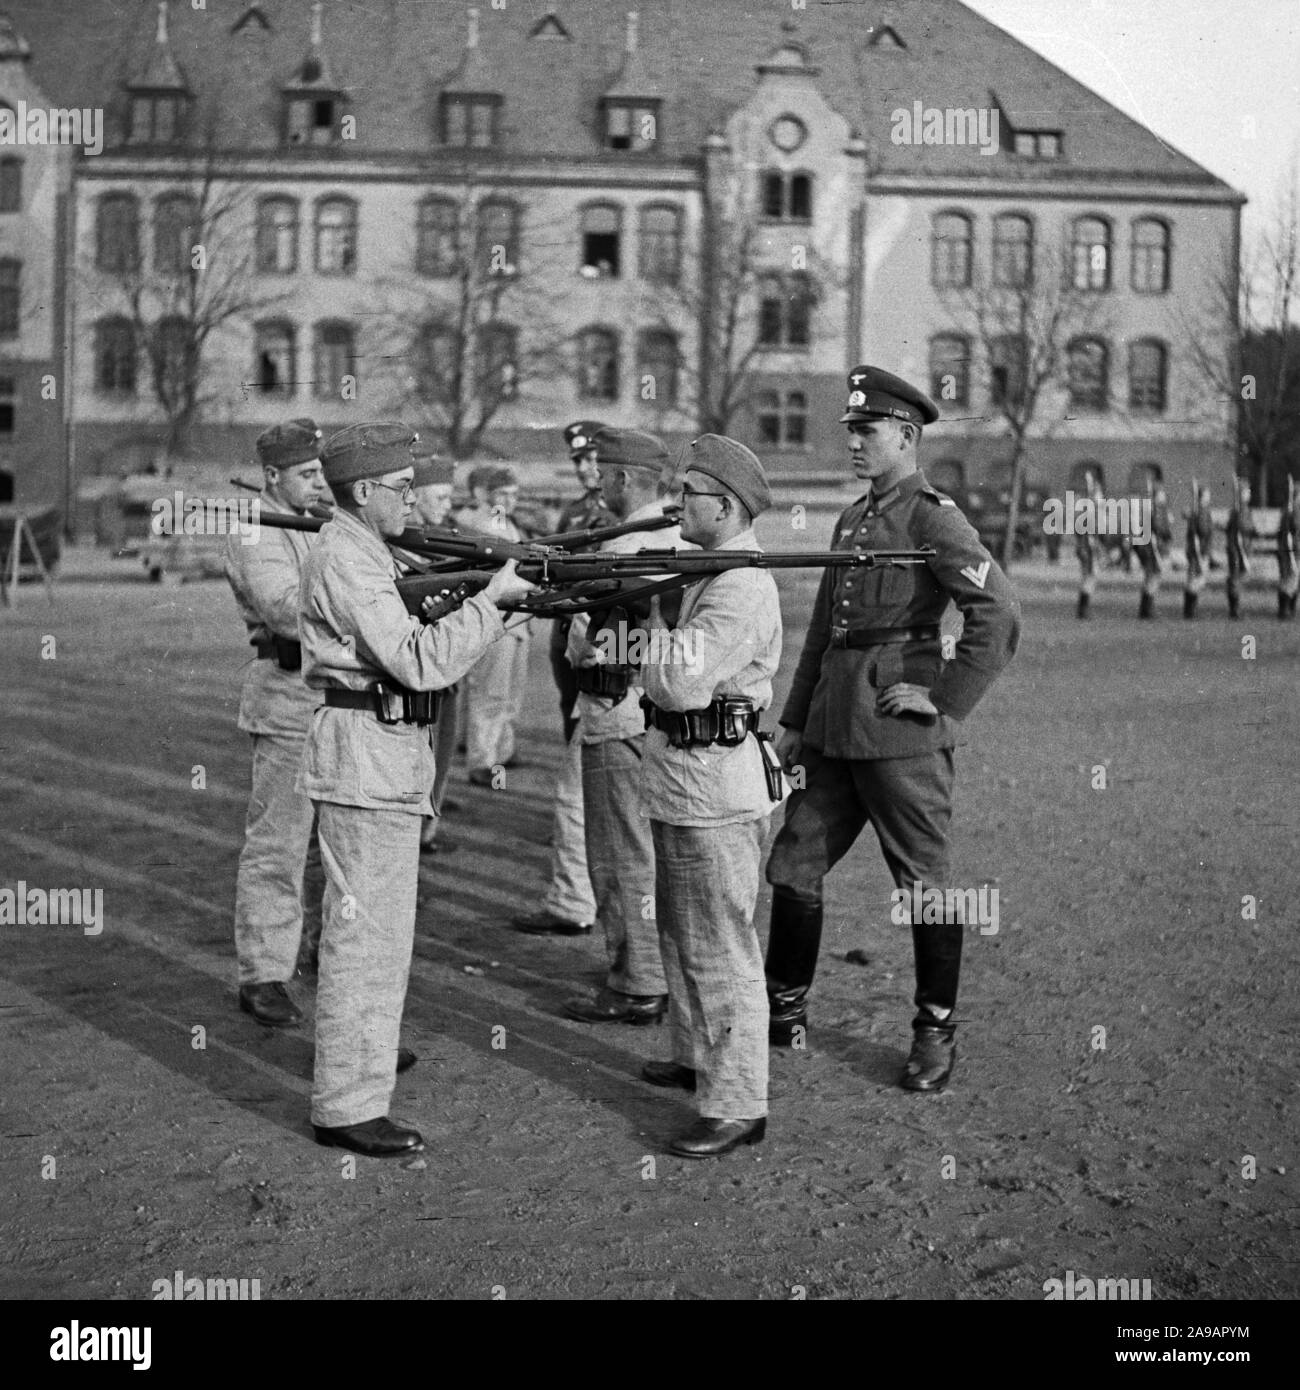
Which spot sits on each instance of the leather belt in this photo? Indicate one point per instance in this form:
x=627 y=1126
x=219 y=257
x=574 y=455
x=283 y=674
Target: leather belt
x=728 y=720
x=882 y=636
x=284 y=651
x=390 y=705
x=610 y=682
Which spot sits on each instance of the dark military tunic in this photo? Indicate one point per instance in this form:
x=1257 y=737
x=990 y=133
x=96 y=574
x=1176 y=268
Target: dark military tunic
x=833 y=697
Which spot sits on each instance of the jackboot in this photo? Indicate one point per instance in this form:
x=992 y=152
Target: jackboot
x=1189 y=604
x=937 y=950
x=1147 y=607
x=1283 y=608
x=1085 y=602
x=1234 y=606
x=792 y=948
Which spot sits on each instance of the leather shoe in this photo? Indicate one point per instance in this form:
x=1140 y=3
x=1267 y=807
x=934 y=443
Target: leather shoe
x=929 y=1065
x=548 y=924
x=406 y=1059
x=708 y=1138
x=480 y=777
x=669 y=1074
x=379 y=1138
x=444 y=844
x=270 y=1005
x=611 y=1006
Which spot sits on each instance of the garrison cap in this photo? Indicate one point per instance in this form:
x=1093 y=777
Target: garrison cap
x=500 y=476
x=282 y=446
x=581 y=435
x=368 y=451
x=431 y=471
x=879 y=395
x=631 y=449
x=729 y=462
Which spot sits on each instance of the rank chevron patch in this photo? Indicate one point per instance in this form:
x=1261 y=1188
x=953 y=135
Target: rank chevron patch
x=978 y=577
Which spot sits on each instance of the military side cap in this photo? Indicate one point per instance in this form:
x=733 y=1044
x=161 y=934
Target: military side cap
x=729 y=462
x=500 y=476
x=632 y=449
x=581 y=435
x=296 y=441
x=367 y=451
x=431 y=471
x=878 y=395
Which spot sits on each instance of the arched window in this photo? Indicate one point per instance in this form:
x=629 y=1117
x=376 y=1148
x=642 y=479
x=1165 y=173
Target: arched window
x=950 y=368
x=602 y=240
x=498 y=246
x=11 y=184
x=115 y=356
x=437 y=237
x=598 y=369
x=275 y=362
x=11 y=273
x=660 y=243
x=657 y=361
x=277 y=236
x=117 y=232
x=950 y=251
x=1089 y=374
x=1150 y=253
x=1078 y=481
x=1013 y=251
x=335 y=358
x=336 y=236
x=175 y=232
x=1090 y=254
x=1148 y=370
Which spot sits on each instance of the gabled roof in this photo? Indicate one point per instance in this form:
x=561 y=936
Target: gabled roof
x=700 y=56
x=161 y=72
x=12 y=43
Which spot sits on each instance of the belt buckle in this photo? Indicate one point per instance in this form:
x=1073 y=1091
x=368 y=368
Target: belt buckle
x=839 y=637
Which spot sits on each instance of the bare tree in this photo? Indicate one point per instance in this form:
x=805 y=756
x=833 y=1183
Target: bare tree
x=1022 y=322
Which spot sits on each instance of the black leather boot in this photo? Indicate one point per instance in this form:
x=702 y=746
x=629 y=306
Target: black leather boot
x=937 y=949
x=1085 y=601
x=792 y=948
x=1147 y=607
x=1189 y=604
x=1234 y=606
x=1283 y=607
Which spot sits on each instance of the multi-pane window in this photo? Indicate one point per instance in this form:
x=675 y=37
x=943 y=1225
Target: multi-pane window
x=312 y=120
x=657 y=361
x=437 y=238
x=175 y=232
x=598 y=364
x=1013 y=251
x=602 y=240
x=11 y=184
x=1089 y=374
x=1007 y=356
x=277 y=236
x=660 y=244
x=782 y=418
x=786 y=197
x=498 y=237
x=115 y=357
x=498 y=362
x=1150 y=256
x=117 y=232
x=1148 y=370
x=470 y=122
x=336 y=236
x=950 y=251
x=1090 y=254
x=8 y=397
x=10 y=297
x=784 y=310
x=174 y=352
x=336 y=358
x=435 y=363
x=631 y=125
x=274 y=358
x=157 y=118
x=950 y=368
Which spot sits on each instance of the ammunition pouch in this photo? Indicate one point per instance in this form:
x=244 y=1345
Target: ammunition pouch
x=611 y=682
x=726 y=721
x=284 y=651
x=389 y=704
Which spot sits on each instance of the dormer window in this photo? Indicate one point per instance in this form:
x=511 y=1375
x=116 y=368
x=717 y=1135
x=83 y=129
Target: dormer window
x=470 y=120
x=158 y=118
x=631 y=124
x=786 y=197
x=312 y=120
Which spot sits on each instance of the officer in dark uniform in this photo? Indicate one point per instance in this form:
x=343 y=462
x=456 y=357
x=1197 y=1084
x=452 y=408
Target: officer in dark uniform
x=871 y=715
x=1200 y=536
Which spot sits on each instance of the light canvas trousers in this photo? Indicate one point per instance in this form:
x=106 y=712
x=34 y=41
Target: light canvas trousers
x=494 y=697
x=570 y=894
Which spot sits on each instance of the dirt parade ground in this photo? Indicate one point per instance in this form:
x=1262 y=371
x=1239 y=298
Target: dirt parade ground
x=1123 y=1106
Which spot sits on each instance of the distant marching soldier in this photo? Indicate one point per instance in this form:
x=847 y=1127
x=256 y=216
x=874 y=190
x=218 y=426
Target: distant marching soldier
x=872 y=714
x=709 y=791
x=1240 y=532
x=277 y=925
x=369 y=766
x=612 y=731
x=1087 y=547
x=1151 y=554
x=1288 y=552
x=569 y=907
x=1200 y=537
